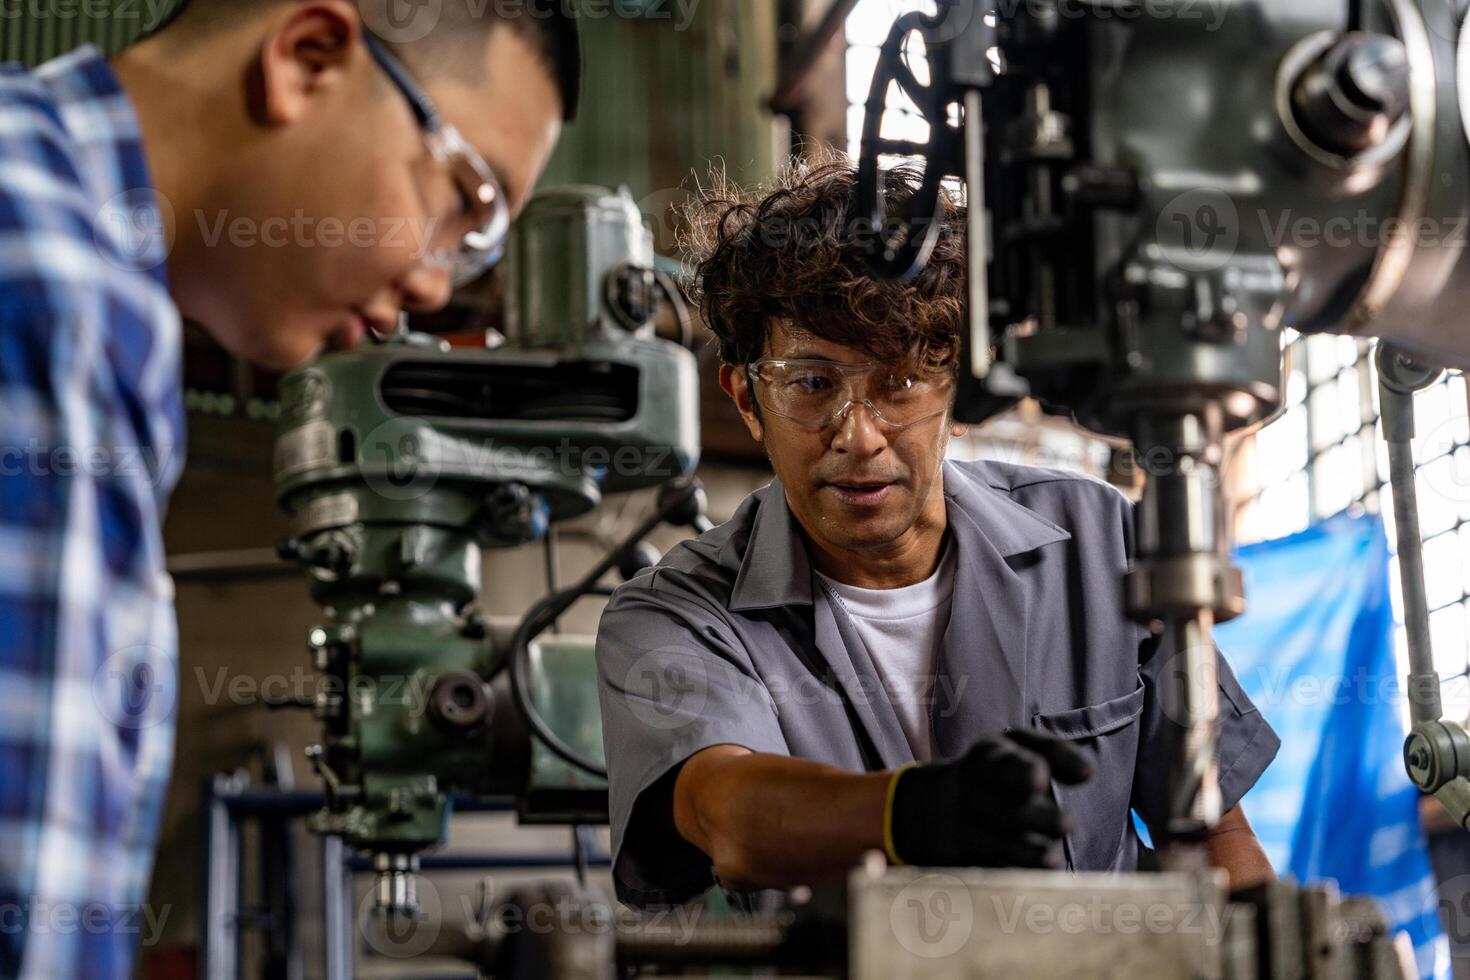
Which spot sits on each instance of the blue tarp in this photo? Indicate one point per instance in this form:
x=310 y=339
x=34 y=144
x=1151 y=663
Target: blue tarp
x=1315 y=653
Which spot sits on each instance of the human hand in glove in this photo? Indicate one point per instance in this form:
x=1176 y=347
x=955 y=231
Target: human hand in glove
x=992 y=807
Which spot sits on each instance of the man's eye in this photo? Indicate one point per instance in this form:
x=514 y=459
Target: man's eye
x=810 y=383
x=466 y=202
x=465 y=206
x=896 y=385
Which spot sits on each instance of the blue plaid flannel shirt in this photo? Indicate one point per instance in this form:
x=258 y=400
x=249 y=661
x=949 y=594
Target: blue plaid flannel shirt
x=91 y=444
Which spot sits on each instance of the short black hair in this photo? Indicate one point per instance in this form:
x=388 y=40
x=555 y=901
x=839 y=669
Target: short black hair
x=549 y=25
x=560 y=43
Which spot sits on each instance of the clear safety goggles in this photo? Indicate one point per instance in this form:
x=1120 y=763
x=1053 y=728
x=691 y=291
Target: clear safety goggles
x=819 y=393
x=482 y=197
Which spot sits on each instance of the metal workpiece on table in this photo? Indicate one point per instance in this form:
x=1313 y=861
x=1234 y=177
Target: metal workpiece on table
x=922 y=924
x=928 y=924
x=558 y=930
x=906 y=923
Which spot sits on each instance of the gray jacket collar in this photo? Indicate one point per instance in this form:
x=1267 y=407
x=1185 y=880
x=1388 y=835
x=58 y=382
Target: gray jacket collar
x=775 y=571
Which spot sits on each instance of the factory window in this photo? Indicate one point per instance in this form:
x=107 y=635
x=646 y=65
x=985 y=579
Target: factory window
x=867 y=28
x=1325 y=454
x=1318 y=458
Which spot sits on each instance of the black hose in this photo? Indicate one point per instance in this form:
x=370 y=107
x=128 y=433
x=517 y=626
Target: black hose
x=681 y=502
x=535 y=621
x=553 y=576
x=681 y=307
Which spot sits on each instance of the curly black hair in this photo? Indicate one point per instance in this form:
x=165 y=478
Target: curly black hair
x=790 y=254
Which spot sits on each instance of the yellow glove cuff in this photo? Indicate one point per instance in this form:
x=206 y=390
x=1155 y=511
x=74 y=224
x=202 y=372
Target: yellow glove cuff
x=888 y=815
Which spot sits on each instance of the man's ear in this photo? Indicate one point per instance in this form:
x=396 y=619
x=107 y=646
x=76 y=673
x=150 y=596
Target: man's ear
x=736 y=382
x=311 y=47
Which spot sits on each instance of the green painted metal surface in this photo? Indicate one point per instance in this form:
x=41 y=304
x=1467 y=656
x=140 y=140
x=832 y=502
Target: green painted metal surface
x=668 y=94
x=565 y=247
x=33 y=31
x=399 y=462
x=563 y=684
x=391 y=510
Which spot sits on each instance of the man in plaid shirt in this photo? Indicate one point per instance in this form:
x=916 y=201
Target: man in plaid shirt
x=291 y=175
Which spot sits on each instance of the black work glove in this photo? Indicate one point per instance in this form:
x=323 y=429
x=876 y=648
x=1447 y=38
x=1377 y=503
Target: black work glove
x=992 y=807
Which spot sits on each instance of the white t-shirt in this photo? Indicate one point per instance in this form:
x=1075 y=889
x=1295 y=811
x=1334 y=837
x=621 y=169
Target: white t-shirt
x=903 y=631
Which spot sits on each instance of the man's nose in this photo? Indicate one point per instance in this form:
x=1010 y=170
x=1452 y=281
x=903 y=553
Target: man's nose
x=858 y=431
x=426 y=288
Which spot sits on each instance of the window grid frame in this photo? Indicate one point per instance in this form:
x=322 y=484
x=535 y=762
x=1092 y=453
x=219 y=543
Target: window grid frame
x=1375 y=489
x=896 y=8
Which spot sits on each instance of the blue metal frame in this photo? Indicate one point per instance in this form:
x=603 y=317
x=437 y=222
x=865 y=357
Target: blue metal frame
x=229 y=799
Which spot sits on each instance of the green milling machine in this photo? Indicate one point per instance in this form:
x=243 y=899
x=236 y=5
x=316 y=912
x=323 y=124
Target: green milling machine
x=400 y=462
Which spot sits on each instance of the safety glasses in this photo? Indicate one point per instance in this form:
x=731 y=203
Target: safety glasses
x=817 y=393
x=481 y=195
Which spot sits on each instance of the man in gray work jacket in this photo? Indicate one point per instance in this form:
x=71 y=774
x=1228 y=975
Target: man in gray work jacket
x=882 y=649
